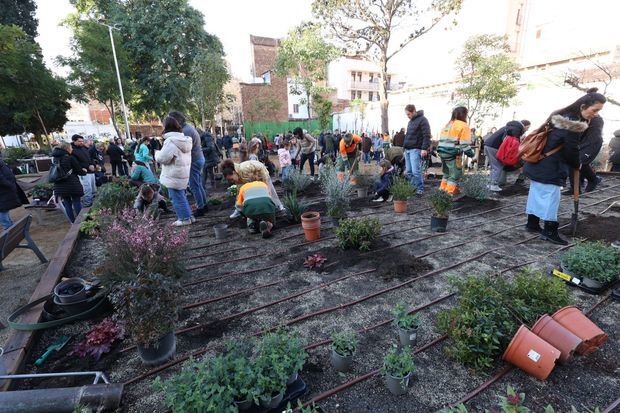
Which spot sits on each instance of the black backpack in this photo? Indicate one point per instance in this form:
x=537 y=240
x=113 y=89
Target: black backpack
x=57 y=173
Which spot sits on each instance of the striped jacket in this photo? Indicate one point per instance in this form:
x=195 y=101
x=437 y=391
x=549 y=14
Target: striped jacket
x=455 y=139
x=254 y=199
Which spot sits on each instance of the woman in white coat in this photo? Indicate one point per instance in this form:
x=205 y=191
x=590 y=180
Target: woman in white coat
x=176 y=159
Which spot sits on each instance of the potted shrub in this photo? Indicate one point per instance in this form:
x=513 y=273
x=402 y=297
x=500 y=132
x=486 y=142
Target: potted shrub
x=241 y=375
x=441 y=202
x=336 y=192
x=596 y=264
x=343 y=348
x=149 y=307
x=271 y=380
x=401 y=191
x=398 y=368
x=311 y=223
x=407 y=325
x=41 y=193
x=358 y=233
x=362 y=183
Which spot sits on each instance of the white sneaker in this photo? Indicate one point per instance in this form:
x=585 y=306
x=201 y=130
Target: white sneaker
x=235 y=214
x=494 y=188
x=179 y=223
x=390 y=199
x=380 y=199
x=192 y=218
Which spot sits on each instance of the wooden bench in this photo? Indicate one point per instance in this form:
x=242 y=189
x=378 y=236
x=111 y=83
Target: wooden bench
x=11 y=238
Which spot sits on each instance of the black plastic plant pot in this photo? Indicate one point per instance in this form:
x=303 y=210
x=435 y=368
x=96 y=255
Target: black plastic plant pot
x=292 y=379
x=396 y=385
x=70 y=291
x=407 y=337
x=587 y=284
x=339 y=362
x=438 y=224
x=244 y=405
x=79 y=307
x=158 y=353
x=272 y=402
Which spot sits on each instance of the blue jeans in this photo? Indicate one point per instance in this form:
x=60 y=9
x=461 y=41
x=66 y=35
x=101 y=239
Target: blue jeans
x=285 y=171
x=90 y=187
x=73 y=206
x=180 y=204
x=413 y=164
x=366 y=157
x=196 y=184
x=5 y=219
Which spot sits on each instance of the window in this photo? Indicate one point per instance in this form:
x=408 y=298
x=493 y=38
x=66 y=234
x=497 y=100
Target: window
x=370 y=96
x=359 y=76
x=267 y=77
x=378 y=97
x=353 y=76
x=359 y=94
x=371 y=77
x=353 y=95
x=295 y=108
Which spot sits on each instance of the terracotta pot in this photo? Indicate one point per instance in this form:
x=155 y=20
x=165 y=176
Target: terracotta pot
x=400 y=206
x=311 y=223
x=576 y=322
x=558 y=336
x=531 y=354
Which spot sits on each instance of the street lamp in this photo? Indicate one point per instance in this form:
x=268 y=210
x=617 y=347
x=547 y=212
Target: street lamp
x=118 y=76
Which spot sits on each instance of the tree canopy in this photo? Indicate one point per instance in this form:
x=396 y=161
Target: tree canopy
x=378 y=30
x=32 y=99
x=303 y=57
x=489 y=75
x=20 y=13
x=209 y=76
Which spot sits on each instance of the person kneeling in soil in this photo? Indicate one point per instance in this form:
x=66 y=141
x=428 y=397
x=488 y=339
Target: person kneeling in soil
x=382 y=187
x=149 y=199
x=254 y=203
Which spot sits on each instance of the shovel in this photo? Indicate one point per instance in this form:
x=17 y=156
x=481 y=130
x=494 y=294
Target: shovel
x=57 y=346
x=576 y=187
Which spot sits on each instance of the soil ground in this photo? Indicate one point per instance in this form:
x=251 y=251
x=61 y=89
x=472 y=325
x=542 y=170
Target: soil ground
x=590 y=381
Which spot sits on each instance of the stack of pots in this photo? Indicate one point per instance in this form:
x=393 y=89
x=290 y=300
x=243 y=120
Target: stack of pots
x=553 y=338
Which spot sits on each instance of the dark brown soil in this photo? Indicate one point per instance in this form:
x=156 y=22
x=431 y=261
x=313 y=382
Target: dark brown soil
x=474 y=205
x=604 y=228
x=514 y=190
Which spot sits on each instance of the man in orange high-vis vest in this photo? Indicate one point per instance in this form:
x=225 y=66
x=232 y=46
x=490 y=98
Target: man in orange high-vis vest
x=348 y=152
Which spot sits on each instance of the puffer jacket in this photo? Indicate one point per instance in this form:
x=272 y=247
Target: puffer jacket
x=418 y=135
x=11 y=194
x=70 y=186
x=554 y=169
x=176 y=160
x=591 y=141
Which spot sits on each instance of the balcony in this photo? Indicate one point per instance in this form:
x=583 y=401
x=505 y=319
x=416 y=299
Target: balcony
x=364 y=85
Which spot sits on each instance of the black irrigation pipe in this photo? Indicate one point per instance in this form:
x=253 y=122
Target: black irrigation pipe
x=231 y=274
x=207 y=348
x=234 y=249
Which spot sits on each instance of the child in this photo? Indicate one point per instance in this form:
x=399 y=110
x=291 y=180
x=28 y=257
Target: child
x=254 y=202
x=284 y=157
x=253 y=150
x=382 y=187
x=150 y=199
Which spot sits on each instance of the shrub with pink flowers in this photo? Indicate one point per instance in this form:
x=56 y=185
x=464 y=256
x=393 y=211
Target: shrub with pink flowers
x=135 y=242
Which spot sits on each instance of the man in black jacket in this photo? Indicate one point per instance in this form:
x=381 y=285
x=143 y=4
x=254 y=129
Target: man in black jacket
x=417 y=143
x=81 y=154
x=116 y=153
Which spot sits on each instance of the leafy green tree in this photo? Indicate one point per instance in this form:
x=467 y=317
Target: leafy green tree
x=379 y=30
x=323 y=108
x=31 y=98
x=20 y=13
x=303 y=57
x=163 y=39
x=488 y=75
x=91 y=65
x=209 y=76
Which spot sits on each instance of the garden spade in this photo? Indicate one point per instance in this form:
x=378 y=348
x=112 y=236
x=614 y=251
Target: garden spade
x=57 y=346
x=576 y=186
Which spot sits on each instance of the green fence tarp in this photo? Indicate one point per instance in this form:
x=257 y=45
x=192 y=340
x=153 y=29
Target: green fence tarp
x=270 y=129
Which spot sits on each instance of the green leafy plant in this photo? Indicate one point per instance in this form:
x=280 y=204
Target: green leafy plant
x=403 y=319
x=294 y=206
x=441 y=201
x=358 y=233
x=241 y=373
x=148 y=305
x=513 y=401
x=401 y=189
x=233 y=191
x=398 y=364
x=345 y=342
x=301 y=409
x=476 y=186
x=90 y=226
x=297 y=182
x=43 y=191
x=13 y=153
x=336 y=192
x=115 y=197
x=595 y=260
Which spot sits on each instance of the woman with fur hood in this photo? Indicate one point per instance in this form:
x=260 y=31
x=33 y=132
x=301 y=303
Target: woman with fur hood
x=176 y=159
x=549 y=174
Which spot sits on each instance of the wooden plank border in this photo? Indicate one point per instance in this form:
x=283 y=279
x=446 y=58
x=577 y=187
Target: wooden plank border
x=19 y=342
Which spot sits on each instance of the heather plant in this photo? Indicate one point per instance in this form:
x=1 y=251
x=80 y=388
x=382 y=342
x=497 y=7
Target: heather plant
x=595 y=260
x=476 y=186
x=134 y=241
x=358 y=233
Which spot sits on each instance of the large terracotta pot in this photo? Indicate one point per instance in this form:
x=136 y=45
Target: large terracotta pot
x=575 y=321
x=531 y=354
x=400 y=206
x=558 y=336
x=311 y=223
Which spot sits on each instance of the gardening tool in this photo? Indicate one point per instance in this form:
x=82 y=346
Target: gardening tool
x=575 y=200
x=57 y=346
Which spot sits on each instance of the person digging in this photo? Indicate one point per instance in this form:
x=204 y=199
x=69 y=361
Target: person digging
x=348 y=152
x=254 y=203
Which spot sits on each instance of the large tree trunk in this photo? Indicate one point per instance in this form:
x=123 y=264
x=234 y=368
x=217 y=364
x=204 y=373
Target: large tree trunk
x=383 y=93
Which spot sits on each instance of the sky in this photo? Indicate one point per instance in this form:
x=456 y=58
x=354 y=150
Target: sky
x=231 y=20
